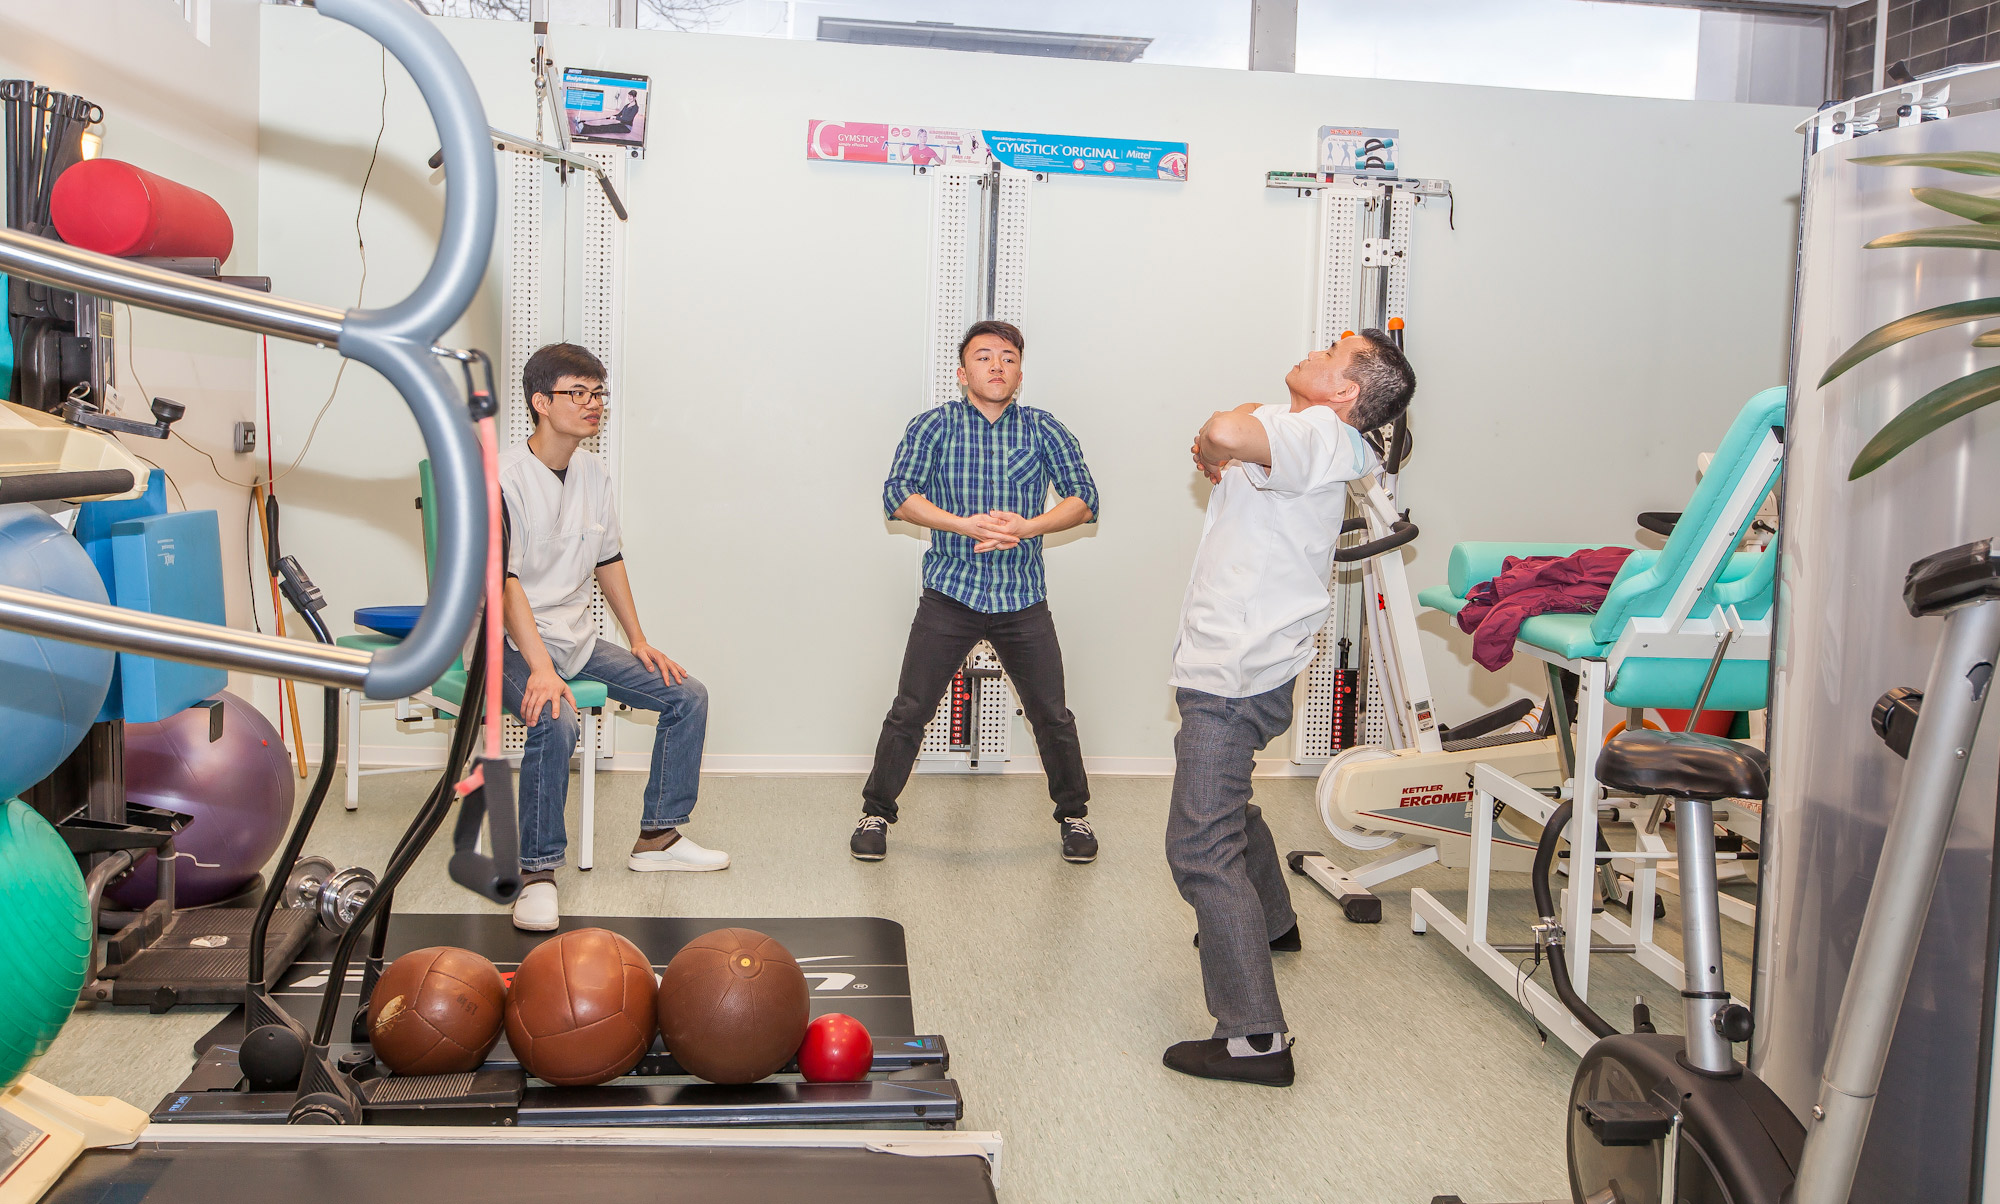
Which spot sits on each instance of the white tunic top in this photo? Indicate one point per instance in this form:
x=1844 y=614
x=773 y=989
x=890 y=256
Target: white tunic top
x=559 y=531
x=1258 y=593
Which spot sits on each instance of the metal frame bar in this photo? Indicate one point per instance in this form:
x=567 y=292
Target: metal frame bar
x=1899 y=902
x=397 y=341
x=910 y=1143
x=1582 y=924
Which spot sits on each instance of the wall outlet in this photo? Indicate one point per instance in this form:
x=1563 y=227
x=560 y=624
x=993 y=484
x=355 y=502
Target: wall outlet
x=246 y=437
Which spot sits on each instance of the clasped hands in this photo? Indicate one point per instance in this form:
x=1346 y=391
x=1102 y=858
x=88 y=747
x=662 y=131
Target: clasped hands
x=1212 y=469
x=996 y=530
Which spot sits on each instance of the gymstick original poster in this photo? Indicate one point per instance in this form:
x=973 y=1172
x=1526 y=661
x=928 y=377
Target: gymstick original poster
x=934 y=146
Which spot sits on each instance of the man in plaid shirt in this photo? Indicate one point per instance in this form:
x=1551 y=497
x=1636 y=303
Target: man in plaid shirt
x=977 y=472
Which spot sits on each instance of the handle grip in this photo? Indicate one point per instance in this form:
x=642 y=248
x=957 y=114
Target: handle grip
x=56 y=486
x=1401 y=533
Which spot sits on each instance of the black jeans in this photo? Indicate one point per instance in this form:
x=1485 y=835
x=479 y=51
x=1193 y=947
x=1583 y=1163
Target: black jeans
x=941 y=636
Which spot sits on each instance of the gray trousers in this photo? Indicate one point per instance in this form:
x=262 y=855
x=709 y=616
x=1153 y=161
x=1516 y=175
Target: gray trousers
x=1225 y=864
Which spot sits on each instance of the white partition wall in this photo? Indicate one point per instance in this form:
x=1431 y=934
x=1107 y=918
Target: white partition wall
x=1581 y=338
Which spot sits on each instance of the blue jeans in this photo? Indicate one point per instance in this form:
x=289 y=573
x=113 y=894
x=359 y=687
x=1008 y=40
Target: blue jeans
x=672 y=781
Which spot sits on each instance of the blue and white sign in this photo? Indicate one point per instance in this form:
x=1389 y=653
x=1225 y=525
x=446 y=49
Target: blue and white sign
x=1068 y=154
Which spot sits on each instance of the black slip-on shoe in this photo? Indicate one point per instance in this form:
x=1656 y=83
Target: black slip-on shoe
x=1079 y=843
x=1287 y=942
x=1210 y=1060
x=870 y=841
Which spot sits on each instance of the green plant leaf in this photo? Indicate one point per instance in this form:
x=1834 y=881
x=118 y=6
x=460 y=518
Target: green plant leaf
x=1990 y=339
x=1910 y=327
x=1983 y=209
x=1971 y=163
x=1977 y=238
x=1934 y=409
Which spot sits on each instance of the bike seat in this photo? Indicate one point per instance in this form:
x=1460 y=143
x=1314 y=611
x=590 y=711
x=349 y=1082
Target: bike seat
x=1683 y=765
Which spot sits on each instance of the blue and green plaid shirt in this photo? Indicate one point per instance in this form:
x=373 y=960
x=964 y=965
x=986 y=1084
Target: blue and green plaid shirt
x=966 y=465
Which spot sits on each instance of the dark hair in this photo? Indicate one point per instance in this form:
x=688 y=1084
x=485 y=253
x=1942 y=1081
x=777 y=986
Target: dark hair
x=1005 y=330
x=551 y=364
x=1385 y=378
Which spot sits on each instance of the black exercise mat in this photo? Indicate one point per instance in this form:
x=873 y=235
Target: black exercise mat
x=855 y=964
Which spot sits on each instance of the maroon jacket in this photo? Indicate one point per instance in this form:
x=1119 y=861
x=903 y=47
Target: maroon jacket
x=1530 y=586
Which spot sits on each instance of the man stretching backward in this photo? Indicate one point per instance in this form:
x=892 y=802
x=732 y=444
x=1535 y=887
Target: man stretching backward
x=1256 y=597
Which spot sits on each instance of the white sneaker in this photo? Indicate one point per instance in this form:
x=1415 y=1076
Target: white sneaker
x=674 y=851
x=535 y=908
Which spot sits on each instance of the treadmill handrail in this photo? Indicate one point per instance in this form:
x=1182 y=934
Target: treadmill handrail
x=396 y=341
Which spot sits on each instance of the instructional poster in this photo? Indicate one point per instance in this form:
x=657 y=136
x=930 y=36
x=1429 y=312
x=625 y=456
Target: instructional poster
x=1062 y=154
x=909 y=145
x=1352 y=150
x=1068 y=154
x=605 y=106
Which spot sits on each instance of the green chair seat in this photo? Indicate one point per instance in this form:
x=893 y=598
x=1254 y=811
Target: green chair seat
x=1565 y=635
x=590 y=695
x=1440 y=597
x=367 y=641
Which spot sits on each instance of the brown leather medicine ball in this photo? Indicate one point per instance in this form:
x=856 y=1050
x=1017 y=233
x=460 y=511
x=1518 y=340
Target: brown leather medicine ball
x=733 y=1006
x=436 y=1011
x=581 y=1009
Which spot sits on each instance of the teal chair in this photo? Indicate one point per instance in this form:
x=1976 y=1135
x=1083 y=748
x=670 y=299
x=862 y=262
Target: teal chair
x=1650 y=645
x=446 y=698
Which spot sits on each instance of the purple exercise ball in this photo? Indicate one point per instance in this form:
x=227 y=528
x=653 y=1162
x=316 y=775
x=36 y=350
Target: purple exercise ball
x=238 y=791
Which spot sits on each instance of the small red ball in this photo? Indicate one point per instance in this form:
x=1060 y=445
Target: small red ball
x=837 y=1049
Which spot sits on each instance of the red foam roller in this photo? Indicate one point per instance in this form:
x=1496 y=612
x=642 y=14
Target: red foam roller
x=118 y=209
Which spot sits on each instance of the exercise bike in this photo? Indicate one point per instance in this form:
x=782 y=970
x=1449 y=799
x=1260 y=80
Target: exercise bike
x=1417 y=789
x=1659 y=1118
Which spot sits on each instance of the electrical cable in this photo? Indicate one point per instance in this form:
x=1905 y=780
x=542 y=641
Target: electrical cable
x=176 y=485
x=212 y=464
x=250 y=559
x=132 y=370
x=361 y=246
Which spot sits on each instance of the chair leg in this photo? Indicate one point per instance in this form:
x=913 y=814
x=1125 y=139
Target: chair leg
x=588 y=857
x=1590 y=707
x=352 y=700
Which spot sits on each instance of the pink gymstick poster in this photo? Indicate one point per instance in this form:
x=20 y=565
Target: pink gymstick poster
x=908 y=145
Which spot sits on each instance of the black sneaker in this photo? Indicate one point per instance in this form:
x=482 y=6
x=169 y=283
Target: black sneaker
x=1079 y=842
x=1210 y=1060
x=1286 y=942
x=870 y=841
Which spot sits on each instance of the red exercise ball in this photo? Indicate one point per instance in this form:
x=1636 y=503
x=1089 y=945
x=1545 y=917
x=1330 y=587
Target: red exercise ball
x=837 y=1049
x=733 y=1006
x=580 y=1011
x=118 y=209
x=436 y=1011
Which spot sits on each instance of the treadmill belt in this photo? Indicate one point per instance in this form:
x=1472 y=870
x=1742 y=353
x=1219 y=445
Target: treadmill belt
x=165 y=1172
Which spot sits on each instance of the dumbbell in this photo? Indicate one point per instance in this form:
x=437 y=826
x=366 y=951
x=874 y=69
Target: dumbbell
x=337 y=895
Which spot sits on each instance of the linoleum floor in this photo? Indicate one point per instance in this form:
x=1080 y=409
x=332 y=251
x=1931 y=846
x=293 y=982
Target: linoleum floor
x=1058 y=986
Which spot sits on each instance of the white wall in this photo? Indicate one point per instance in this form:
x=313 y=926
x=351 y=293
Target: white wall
x=1618 y=283
x=187 y=109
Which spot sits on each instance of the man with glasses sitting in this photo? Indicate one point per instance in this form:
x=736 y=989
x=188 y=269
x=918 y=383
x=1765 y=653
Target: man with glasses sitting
x=562 y=527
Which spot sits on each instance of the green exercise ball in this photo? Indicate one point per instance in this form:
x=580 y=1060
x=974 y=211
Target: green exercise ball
x=44 y=937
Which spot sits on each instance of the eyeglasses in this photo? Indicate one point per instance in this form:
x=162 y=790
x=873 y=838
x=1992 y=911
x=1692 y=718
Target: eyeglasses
x=582 y=396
